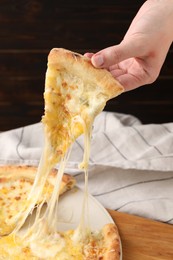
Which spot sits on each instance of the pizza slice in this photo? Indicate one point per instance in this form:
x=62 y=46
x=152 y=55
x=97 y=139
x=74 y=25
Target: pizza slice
x=15 y=185
x=75 y=93
x=104 y=245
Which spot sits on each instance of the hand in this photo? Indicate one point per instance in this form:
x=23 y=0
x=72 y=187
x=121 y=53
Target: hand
x=138 y=59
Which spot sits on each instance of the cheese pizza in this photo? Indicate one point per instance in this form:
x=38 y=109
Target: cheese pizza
x=75 y=93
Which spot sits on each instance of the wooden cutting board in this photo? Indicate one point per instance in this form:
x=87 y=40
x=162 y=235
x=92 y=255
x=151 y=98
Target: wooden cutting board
x=144 y=239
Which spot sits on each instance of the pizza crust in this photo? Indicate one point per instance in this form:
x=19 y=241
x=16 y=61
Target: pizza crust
x=111 y=242
x=104 y=245
x=13 y=172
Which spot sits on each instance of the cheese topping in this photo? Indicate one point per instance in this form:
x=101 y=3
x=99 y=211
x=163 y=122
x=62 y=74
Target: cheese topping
x=48 y=246
x=57 y=247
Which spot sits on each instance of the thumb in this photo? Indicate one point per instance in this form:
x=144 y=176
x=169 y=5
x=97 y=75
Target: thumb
x=114 y=54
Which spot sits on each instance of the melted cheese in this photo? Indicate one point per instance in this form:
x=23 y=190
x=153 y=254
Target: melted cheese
x=83 y=232
x=60 y=246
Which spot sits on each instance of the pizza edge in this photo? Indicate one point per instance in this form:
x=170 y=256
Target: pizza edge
x=111 y=242
x=29 y=172
x=61 y=59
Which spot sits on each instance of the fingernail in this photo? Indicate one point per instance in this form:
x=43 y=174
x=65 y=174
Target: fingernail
x=98 y=60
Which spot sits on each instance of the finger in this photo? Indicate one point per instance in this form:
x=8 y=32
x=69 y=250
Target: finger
x=88 y=55
x=129 y=82
x=114 y=54
x=114 y=67
x=117 y=72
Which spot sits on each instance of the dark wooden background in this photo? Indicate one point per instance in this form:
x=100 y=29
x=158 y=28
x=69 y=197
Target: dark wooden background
x=29 y=29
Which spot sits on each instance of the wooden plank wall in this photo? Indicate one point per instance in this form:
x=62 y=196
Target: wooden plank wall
x=29 y=29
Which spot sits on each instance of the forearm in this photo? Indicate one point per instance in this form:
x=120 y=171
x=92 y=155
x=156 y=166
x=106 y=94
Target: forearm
x=153 y=16
x=151 y=31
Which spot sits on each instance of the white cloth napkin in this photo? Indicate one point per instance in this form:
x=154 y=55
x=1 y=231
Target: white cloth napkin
x=131 y=164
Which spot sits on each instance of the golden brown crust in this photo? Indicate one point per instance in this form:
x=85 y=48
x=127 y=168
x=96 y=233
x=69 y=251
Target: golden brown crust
x=111 y=242
x=79 y=65
x=29 y=172
x=105 y=245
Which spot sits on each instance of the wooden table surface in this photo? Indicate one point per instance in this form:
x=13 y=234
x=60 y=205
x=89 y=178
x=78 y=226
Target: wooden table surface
x=143 y=239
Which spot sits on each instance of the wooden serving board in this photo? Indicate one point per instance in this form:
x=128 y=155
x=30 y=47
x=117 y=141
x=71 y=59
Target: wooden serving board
x=143 y=239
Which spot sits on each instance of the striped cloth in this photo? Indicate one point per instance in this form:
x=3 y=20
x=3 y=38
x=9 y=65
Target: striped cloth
x=131 y=164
